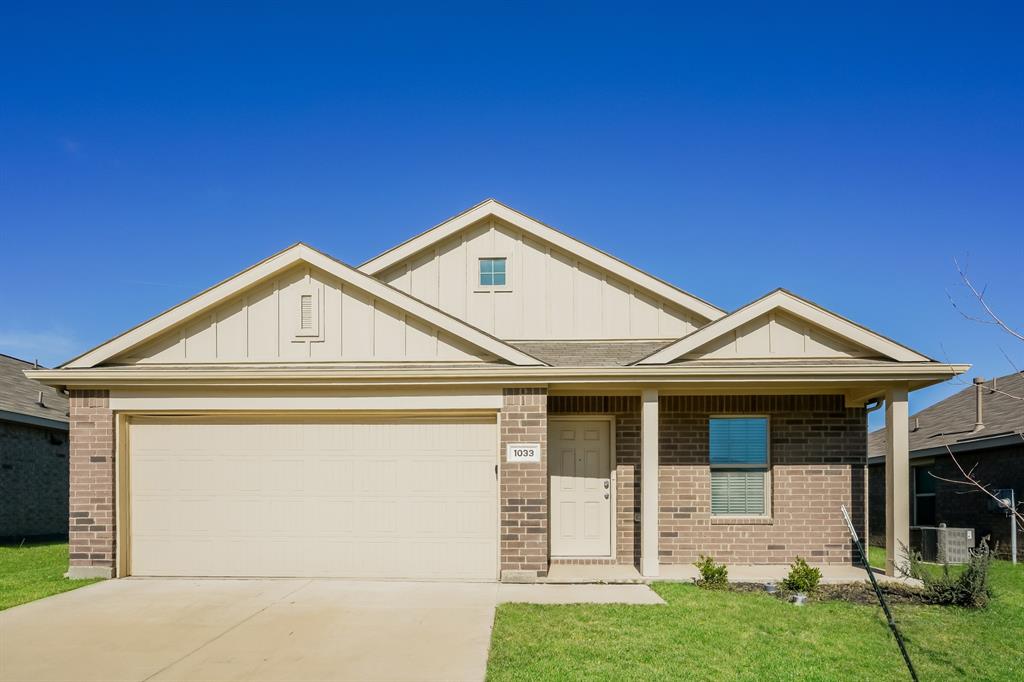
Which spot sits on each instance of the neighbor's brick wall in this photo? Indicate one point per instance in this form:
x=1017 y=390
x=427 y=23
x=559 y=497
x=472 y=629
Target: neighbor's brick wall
x=876 y=505
x=92 y=521
x=524 y=485
x=956 y=505
x=33 y=481
x=626 y=410
x=818 y=455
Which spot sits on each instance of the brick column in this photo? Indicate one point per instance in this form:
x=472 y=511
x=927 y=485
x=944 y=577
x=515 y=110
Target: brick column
x=524 y=487
x=92 y=529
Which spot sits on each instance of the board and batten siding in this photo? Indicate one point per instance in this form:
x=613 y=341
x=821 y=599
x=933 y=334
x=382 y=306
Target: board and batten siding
x=778 y=335
x=551 y=294
x=262 y=325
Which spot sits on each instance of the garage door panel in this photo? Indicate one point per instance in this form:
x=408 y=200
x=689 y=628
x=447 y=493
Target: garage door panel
x=374 y=500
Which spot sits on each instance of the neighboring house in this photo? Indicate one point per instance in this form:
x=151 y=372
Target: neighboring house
x=33 y=455
x=983 y=426
x=482 y=401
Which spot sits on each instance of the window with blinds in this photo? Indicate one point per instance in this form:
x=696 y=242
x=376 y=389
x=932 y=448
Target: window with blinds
x=738 y=448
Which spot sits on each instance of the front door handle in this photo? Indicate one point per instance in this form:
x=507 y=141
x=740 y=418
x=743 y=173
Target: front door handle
x=606 y=485
x=606 y=496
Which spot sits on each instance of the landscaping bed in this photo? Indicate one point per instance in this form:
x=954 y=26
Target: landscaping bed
x=854 y=593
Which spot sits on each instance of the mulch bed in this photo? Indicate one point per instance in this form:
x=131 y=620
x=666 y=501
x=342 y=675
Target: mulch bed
x=855 y=593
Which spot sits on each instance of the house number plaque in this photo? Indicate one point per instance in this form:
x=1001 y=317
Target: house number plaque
x=522 y=452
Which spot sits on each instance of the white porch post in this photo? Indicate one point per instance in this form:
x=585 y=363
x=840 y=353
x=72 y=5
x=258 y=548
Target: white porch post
x=897 y=478
x=649 y=484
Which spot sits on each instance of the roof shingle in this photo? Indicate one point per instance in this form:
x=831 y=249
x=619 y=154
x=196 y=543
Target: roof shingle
x=951 y=421
x=20 y=395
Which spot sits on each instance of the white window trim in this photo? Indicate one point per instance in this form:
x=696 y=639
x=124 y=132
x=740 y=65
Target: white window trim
x=481 y=288
x=724 y=467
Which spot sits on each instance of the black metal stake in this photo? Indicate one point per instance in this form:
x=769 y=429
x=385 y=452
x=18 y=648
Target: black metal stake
x=878 y=593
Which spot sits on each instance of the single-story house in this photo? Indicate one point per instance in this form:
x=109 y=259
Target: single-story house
x=983 y=427
x=483 y=401
x=33 y=455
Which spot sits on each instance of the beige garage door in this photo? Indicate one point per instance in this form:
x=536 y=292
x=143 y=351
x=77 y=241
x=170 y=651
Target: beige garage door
x=373 y=499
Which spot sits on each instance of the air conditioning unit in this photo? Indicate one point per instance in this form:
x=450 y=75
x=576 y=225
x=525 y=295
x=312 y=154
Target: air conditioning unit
x=943 y=545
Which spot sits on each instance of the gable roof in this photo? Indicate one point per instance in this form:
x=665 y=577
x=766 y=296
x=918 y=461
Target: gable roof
x=545 y=233
x=951 y=421
x=19 y=397
x=780 y=299
x=278 y=262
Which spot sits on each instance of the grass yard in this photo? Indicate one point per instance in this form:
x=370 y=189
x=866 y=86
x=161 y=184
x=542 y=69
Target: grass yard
x=34 y=571
x=731 y=635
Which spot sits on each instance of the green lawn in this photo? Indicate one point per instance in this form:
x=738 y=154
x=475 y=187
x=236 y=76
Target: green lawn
x=34 y=571
x=729 y=635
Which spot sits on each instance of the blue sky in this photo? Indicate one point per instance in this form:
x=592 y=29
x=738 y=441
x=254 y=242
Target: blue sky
x=149 y=151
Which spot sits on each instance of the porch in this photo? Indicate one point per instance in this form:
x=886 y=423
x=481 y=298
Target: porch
x=658 y=495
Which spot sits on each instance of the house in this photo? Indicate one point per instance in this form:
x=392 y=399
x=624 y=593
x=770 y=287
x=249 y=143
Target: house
x=33 y=455
x=486 y=400
x=983 y=427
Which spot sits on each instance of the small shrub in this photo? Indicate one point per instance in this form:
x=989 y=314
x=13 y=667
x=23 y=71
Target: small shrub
x=802 y=577
x=713 y=576
x=970 y=589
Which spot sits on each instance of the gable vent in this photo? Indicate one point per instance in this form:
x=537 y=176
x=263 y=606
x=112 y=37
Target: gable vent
x=306 y=312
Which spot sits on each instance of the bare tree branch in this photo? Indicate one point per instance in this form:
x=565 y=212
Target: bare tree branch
x=969 y=479
x=980 y=296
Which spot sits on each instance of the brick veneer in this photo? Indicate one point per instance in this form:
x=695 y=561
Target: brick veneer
x=524 y=486
x=92 y=523
x=1001 y=467
x=626 y=410
x=33 y=481
x=818 y=455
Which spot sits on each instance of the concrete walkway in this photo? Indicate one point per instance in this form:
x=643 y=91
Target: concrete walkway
x=160 y=630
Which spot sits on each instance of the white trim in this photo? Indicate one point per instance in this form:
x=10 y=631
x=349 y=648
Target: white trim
x=269 y=267
x=547 y=234
x=234 y=400
x=784 y=300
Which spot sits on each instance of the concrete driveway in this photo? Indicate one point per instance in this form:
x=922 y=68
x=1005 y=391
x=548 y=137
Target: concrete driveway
x=149 y=629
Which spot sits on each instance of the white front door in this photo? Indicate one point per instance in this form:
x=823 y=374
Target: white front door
x=581 y=488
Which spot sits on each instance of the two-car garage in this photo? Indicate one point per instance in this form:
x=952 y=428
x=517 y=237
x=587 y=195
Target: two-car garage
x=404 y=497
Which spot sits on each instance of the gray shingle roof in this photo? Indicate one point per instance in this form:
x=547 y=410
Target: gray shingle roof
x=19 y=395
x=951 y=421
x=589 y=353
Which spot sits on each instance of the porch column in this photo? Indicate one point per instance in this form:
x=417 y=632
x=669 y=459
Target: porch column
x=649 y=484
x=897 y=478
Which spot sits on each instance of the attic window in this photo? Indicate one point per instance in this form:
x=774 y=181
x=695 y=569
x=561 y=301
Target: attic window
x=493 y=272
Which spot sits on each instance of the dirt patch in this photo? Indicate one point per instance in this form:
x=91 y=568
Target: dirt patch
x=855 y=593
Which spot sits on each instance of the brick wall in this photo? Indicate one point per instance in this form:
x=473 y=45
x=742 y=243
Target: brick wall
x=626 y=410
x=818 y=455
x=33 y=481
x=92 y=521
x=955 y=505
x=524 y=486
